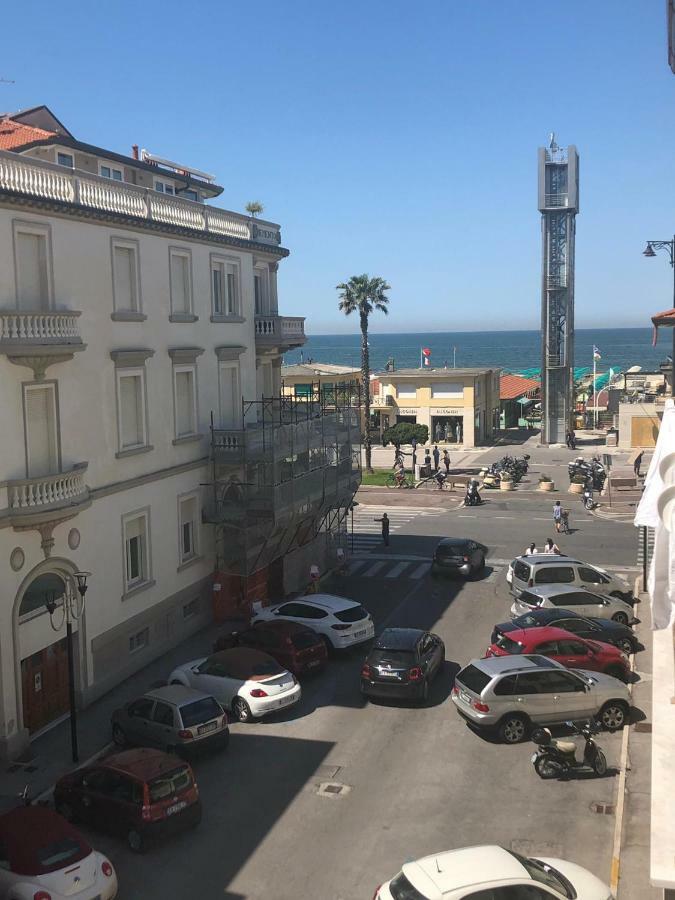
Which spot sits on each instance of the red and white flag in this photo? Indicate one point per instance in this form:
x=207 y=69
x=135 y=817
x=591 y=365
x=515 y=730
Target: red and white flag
x=426 y=356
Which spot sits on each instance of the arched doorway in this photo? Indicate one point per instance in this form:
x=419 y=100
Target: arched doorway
x=43 y=669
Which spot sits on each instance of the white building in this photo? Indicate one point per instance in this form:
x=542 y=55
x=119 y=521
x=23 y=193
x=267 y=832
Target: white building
x=129 y=312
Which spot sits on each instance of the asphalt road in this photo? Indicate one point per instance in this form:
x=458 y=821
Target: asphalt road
x=416 y=780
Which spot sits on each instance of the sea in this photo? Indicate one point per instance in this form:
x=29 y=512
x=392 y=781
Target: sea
x=513 y=351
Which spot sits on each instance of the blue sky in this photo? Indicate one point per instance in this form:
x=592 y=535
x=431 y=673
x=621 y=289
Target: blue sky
x=389 y=137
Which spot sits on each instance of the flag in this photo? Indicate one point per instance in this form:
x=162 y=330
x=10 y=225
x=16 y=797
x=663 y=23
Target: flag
x=611 y=374
x=596 y=353
x=426 y=354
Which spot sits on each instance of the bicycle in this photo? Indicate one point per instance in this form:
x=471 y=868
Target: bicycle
x=394 y=481
x=565 y=522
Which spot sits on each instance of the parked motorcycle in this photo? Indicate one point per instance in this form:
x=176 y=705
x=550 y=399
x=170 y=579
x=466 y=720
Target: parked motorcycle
x=472 y=497
x=491 y=479
x=592 y=469
x=558 y=758
x=587 y=496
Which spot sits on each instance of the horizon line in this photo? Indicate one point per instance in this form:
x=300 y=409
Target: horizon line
x=476 y=331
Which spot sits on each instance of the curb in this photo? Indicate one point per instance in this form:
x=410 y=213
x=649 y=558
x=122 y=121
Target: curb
x=46 y=794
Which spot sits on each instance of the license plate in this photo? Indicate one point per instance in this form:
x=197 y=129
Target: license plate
x=389 y=674
x=465 y=697
x=284 y=701
x=172 y=810
x=204 y=729
x=359 y=634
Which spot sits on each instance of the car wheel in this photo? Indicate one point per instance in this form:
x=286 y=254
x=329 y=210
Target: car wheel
x=66 y=810
x=327 y=643
x=625 y=645
x=135 y=841
x=513 y=729
x=175 y=681
x=621 y=618
x=241 y=710
x=119 y=737
x=613 y=715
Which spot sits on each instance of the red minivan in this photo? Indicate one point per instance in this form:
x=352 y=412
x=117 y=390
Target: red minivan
x=140 y=794
x=295 y=647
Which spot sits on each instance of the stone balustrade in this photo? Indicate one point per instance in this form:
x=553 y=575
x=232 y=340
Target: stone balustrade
x=17 y=328
x=280 y=330
x=25 y=496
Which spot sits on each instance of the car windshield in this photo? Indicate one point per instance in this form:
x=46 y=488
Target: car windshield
x=200 y=711
x=401 y=889
x=546 y=875
x=395 y=657
x=304 y=639
x=530 y=599
x=505 y=643
x=170 y=784
x=521 y=570
x=58 y=853
x=353 y=614
x=473 y=679
x=526 y=621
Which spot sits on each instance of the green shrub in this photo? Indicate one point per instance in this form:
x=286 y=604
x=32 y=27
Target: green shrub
x=404 y=432
x=545 y=478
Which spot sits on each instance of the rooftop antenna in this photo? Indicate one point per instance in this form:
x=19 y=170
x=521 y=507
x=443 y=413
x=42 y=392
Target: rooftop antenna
x=551 y=141
x=438 y=868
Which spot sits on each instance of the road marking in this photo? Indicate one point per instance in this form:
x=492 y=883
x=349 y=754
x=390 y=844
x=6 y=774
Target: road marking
x=398 y=568
x=421 y=571
x=356 y=565
x=373 y=569
x=474 y=516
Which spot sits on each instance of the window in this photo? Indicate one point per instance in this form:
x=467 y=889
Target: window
x=506 y=686
x=136 y=556
x=126 y=285
x=473 y=679
x=225 y=288
x=258 y=293
x=294 y=609
x=547 y=648
x=131 y=409
x=139 y=640
x=65 y=159
x=406 y=390
x=190 y=195
x=572 y=648
x=32 y=251
x=163 y=714
x=557 y=683
x=107 y=171
x=401 y=889
x=191 y=609
x=230 y=398
x=185 y=400
x=529 y=683
x=575 y=626
x=141 y=709
x=180 y=271
x=477 y=390
x=188 y=511
x=40 y=418
x=592 y=576
x=447 y=389
x=555 y=575
x=165 y=187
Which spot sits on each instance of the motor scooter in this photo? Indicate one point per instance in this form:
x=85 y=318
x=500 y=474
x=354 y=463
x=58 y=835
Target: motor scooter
x=558 y=758
x=472 y=497
x=587 y=497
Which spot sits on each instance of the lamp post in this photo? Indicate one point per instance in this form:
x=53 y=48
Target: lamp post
x=352 y=505
x=649 y=251
x=72 y=608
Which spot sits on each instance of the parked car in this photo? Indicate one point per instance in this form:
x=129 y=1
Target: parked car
x=580 y=600
x=248 y=682
x=567 y=649
x=458 y=556
x=607 y=630
x=295 y=647
x=42 y=857
x=490 y=872
x=340 y=622
x=141 y=794
x=511 y=693
x=402 y=663
x=174 y=718
x=543 y=568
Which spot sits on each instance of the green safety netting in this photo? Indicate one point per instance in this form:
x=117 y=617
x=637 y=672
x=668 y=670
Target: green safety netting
x=579 y=372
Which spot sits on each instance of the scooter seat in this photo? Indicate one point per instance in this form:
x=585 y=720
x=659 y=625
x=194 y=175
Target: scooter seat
x=565 y=746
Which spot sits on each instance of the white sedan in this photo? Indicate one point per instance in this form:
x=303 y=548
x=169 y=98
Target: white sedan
x=491 y=872
x=339 y=621
x=248 y=682
x=42 y=856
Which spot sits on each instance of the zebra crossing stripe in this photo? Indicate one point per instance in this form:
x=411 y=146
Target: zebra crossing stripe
x=421 y=571
x=374 y=568
x=396 y=571
x=355 y=566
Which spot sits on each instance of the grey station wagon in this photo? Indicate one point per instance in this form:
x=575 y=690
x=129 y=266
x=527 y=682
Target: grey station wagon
x=579 y=600
x=544 y=568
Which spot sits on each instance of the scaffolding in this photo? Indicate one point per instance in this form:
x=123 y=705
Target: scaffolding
x=285 y=472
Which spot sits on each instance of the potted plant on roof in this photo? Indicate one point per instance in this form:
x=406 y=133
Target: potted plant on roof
x=506 y=482
x=546 y=483
x=577 y=484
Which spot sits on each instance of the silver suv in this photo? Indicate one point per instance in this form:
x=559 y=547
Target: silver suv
x=511 y=694
x=579 y=600
x=547 y=568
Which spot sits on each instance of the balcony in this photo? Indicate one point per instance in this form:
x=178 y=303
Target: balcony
x=28 y=177
x=46 y=498
x=282 y=332
x=38 y=339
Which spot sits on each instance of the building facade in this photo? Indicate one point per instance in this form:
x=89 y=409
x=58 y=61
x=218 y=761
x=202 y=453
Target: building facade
x=132 y=315
x=301 y=379
x=457 y=405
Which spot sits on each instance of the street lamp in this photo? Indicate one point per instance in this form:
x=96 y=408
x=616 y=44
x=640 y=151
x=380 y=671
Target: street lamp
x=352 y=505
x=72 y=609
x=649 y=251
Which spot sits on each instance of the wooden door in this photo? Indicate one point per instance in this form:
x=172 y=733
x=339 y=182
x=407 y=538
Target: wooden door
x=44 y=677
x=644 y=431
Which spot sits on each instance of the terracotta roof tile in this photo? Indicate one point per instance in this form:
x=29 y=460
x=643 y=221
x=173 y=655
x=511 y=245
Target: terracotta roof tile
x=513 y=386
x=14 y=135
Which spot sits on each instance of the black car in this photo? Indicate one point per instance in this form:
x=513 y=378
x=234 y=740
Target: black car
x=458 y=555
x=402 y=663
x=622 y=636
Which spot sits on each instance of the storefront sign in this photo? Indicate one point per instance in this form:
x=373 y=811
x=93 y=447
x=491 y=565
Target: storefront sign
x=446 y=411
x=405 y=411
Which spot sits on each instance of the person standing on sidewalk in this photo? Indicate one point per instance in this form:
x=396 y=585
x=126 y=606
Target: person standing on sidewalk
x=385 y=528
x=427 y=462
x=446 y=461
x=437 y=458
x=557 y=516
x=637 y=463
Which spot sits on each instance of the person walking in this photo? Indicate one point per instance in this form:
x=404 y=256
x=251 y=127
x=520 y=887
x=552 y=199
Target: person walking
x=568 y=439
x=557 y=516
x=531 y=550
x=637 y=463
x=446 y=461
x=573 y=441
x=551 y=548
x=437 y=458
x=385 y=528
x=427 y=462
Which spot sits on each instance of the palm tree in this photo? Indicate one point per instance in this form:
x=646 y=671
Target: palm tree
x=254 y=208
x=363 y=294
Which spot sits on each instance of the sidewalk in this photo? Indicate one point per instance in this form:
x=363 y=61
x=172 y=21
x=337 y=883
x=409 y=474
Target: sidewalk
x=50 y=754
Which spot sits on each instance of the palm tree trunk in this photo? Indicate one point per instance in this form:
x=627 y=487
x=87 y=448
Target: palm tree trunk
x=365 y=387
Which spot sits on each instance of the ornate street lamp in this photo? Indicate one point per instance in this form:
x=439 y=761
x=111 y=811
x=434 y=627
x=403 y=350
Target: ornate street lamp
x=649 y=251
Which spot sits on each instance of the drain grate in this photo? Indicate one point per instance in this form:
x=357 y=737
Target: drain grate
x=333 y=789
x=606 y=809
x=645 y=727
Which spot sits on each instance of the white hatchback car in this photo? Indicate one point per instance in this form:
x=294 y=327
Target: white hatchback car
x=488 y=872
x=339 y=621
x=248 y=682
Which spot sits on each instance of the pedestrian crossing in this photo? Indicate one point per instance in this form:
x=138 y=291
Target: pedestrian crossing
x=389 y=568
x=368 y=531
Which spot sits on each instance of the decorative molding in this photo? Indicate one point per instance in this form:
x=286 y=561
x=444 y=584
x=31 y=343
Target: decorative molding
x=187 y=439
x=130 y=483
x=189 y=562
x=40 y=358
x=138 y=590
x=237 y=320
x=181 y=355
x=135 y=451
x=183 y=318
x=16 y=559
x=130 y=359
x=228 y=353
x=128 y=316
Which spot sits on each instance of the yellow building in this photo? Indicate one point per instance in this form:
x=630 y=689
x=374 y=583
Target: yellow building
x=457 y=405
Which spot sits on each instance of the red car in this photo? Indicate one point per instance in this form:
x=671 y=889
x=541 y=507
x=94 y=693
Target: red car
x=565 y=648
x=295 y=647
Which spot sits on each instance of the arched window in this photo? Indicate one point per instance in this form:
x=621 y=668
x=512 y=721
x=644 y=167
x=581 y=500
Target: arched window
x=36 y=595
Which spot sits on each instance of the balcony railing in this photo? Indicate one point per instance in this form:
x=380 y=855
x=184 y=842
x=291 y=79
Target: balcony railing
x=554 y=282
x=30 y=497
x=280 y=330
x=557 y=200
x=29 y=177
x=23 y=328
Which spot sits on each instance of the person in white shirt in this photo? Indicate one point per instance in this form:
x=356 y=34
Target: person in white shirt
x=551 y=547
x=531 y=550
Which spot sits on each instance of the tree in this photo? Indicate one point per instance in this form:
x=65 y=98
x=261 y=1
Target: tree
x=362 y=295
x=254 y=208
x=404 y=432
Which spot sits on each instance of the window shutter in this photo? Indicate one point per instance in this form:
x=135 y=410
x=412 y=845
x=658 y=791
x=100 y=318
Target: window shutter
x=31 y=259
x=41 y=432
x=124 y=273
x=180 y=286
x=131 y=411
x=184 y=404
x=135 y=527
x=231 y=291
x=217 y=273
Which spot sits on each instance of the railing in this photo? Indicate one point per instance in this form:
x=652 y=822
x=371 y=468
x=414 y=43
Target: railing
x=279 y=328
x=26 y=494
x=556 y=200
x=37 y=178
x=228 y=440
x=556 y=281
x=39 y=327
